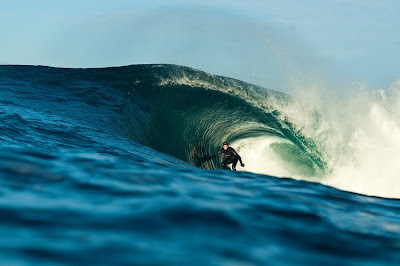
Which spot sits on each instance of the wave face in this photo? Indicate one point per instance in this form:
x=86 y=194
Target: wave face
x=112 y=158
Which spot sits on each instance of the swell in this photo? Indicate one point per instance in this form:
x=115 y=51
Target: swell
x=176 y=110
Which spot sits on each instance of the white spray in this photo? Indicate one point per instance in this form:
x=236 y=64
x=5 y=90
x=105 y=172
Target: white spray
x=358 y=137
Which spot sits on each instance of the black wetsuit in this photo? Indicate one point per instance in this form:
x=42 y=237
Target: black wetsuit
x=230 y=156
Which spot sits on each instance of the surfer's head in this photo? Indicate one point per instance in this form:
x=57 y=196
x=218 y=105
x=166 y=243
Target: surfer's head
x=225 y=145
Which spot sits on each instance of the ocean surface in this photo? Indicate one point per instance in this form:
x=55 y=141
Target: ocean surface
x=108 y=166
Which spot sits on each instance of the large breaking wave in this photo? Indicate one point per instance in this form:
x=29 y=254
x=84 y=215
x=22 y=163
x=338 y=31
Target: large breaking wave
x=352 y=144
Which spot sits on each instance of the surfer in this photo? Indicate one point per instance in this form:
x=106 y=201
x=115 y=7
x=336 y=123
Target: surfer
x=230 y=157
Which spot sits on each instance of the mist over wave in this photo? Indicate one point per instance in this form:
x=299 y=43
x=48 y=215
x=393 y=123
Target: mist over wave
x=357 y=135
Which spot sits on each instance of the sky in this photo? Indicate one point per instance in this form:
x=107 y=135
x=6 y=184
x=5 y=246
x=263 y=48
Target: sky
x=265 y=42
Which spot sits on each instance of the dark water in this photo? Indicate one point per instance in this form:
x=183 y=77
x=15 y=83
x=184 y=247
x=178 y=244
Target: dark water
x=97 y=166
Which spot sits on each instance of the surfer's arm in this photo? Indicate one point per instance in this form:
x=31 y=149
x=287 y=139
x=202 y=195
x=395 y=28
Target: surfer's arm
x=238 y=156
x=217 y=154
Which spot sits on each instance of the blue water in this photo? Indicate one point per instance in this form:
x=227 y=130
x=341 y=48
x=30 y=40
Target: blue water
x=105 y=166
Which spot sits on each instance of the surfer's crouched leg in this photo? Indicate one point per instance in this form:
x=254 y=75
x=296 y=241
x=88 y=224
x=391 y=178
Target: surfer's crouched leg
x=227 y=161
x=224 y=164
x=225 y=167
x=234 y=163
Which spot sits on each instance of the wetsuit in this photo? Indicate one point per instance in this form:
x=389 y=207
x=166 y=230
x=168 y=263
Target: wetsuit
x=230 y=156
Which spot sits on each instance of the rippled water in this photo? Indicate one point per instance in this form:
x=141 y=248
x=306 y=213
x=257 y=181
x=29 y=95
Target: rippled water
x=73 y=191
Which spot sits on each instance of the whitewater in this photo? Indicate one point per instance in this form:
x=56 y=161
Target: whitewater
x=357 y=138
x=108 y=165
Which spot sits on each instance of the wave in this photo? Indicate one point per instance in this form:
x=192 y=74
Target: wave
x=188 y=113
x=193 y=112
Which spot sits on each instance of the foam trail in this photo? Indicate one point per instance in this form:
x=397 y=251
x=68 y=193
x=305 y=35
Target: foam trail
x=376 y=152
x=359 y=137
